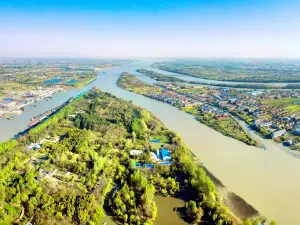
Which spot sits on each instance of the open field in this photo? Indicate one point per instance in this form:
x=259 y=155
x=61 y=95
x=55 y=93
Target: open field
x=292 y=105
x=293 y=108
x=13 y=89
x=198 y=90
x=281 y=101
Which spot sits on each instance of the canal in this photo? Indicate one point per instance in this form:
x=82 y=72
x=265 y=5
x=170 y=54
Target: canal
x=268 y=180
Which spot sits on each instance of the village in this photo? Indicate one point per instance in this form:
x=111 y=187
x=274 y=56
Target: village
x=271 y=113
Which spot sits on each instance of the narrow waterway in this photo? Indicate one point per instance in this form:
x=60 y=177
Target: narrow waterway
x=268 y=180
x=201 y=80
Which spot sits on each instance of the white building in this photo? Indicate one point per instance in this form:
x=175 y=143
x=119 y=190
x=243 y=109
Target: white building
x=135 y=152
x=154 y=157
x=278 y=133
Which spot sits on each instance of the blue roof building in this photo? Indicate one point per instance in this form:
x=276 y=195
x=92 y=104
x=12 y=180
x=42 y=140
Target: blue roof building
x=297 y=131
x=225 y=89
x=166 y=163
x=165 y=155
x=232 y=99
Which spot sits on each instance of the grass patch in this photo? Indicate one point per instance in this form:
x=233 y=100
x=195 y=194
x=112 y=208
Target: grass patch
x=192 y=110
x=84 y=82
x=227 y=127
x=12 y=215
x=293 y=108
x=281 y=101
x=131 y=83
x=193 y=90
x=162 y=138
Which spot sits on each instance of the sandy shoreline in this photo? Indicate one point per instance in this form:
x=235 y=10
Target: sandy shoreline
x=238 y=207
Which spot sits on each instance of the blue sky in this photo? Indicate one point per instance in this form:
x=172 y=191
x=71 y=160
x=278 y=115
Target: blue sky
x=209 y=28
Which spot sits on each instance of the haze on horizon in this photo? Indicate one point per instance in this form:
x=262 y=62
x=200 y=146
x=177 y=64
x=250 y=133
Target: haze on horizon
x=150 y=28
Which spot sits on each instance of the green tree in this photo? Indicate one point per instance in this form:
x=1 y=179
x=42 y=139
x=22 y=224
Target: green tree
x=139 y=127
x=272 y=223
x=2 y=195
x=194 y=213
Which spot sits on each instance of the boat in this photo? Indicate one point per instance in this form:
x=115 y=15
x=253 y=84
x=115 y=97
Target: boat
x=42 y=118
x=34 y=123
x=6 y=117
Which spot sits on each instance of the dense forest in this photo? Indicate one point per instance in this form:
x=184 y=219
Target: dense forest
x=83 y=169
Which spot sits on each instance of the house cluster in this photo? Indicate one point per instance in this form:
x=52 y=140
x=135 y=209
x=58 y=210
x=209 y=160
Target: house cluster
x=276 y=120
x=20 y=100
x=174 y=98
x=218 y=113
x=41 y=93
x=251 y=105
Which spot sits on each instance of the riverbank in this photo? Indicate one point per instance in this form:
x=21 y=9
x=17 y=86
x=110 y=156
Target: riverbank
x=239 y=208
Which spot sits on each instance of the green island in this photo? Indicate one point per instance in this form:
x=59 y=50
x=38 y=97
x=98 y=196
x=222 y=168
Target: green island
x=165 y=78
x=235 y=70
x=97 y=157
x=159 y=76
x=216 y=119
x=133 y=84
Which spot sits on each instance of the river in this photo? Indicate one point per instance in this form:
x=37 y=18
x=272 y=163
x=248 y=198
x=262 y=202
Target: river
x=268 y=180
